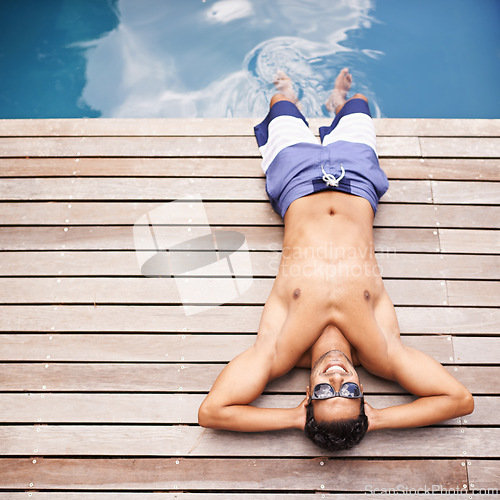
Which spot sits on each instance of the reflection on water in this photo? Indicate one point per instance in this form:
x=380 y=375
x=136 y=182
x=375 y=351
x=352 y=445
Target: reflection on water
x=217 y=59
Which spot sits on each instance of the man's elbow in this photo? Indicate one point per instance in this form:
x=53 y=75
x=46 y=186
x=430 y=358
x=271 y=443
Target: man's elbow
x=468 y=403
x=207 y=416
x=465 y=403
x=204 y=416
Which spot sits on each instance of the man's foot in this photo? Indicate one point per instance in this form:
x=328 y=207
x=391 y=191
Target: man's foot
x=284 y=86
x=337 y=98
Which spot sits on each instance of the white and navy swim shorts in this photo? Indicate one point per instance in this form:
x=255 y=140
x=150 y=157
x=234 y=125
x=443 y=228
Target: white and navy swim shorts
x=296 y=164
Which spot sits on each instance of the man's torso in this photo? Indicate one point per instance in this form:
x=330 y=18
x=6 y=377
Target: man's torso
x=328 y=275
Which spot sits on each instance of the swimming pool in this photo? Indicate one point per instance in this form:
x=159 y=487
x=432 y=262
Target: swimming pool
x=197 y=58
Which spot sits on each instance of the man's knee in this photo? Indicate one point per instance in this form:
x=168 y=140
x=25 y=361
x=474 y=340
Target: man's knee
x=279 y=97
x=359 y=96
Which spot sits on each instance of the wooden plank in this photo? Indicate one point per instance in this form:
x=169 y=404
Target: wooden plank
x=395 y=168
x=469 y=241
x=464 y=147
x=134 y=189
x=234 y=212
x=426 y=127
x=169 y=189
x=219 y=319
x=133 y=127
x=237 y=212
x=183 y=348
x=267 y=238
x=448 y=320
x=165 y=291
x=315 y=474
x=451 y=216
x=469 y=216
x=408 y=192
x=436 y=168
x=419 y=292
x=468 y=193
x=140 y=146
x=144 y=146
x=146 y=440
x=75 y=263
x=53 y=495
x=439 y=266
x=483 y=350
x=142 y=167
x=265 y=264
x=177 y=408
x=106 y=408
x=398 y=146
x=124 y=348
x=173 y=377
x=191 y=377
x=472 y=293
x=231 y=126
x=98 y=213
x=484 y=475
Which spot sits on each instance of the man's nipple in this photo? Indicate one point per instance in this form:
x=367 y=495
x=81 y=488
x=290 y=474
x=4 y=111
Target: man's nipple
x=296 y=293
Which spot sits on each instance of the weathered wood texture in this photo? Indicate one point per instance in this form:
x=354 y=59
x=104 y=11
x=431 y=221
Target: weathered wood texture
x=377 y=492
x=253 y=474
x=102 y=371
x=54 y=495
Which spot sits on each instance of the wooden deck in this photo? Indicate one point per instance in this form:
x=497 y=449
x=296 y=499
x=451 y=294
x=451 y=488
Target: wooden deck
x=102 y=372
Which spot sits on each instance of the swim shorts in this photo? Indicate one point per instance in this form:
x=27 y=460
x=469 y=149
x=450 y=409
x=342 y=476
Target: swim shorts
x=296 y=164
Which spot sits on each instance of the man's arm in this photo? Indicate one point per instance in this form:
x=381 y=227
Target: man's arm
x=441 y=396
x=227 y=406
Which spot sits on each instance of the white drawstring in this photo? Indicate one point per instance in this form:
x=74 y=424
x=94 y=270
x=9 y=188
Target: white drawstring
x=330 y=179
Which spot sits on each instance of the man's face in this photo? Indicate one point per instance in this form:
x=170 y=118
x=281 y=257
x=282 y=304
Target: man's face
x=334 y=368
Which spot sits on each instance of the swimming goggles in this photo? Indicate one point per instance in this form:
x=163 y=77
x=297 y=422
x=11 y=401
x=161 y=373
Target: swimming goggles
x=348 y=390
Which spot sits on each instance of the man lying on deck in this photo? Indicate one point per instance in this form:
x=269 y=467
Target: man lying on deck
x=328 y=309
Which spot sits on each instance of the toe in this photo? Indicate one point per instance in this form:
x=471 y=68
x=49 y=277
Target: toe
x=280 y=75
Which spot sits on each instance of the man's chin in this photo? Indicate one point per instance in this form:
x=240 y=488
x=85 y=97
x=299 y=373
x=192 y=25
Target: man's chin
x=330 y=357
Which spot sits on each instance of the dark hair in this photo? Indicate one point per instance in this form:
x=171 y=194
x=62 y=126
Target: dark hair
x=337 y=434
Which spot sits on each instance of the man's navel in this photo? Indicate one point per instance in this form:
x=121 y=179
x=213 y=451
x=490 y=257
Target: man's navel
x=366 y=293
x=296 y=293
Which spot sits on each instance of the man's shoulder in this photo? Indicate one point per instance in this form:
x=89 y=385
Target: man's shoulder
x=380 y=358
x=273 y=316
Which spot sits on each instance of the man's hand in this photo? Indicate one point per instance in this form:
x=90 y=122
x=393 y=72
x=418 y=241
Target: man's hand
x=371 y=413
x=300 y=414
x=228 y=405
x=440 y=396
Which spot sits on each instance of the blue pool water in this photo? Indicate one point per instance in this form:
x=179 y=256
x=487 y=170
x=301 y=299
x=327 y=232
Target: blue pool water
x=216 y=58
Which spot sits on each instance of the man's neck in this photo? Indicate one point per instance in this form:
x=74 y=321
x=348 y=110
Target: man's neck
x=331 y=339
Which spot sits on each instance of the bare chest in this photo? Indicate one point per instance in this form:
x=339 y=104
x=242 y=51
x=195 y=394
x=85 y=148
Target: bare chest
x=344 y=296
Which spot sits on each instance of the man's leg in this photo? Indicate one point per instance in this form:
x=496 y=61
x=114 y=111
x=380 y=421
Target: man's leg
x=284 y=125
x=338 y=96
x=284 y=86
